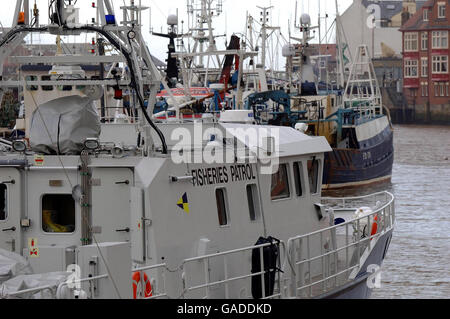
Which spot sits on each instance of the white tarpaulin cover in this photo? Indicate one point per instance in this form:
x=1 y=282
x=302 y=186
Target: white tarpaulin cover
x=24 y=282
x=12 y=264
x=68 y=120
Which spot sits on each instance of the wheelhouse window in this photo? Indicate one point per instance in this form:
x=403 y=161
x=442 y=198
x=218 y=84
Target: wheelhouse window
x=280 y=184
x=253 y=203
x=46 y=87
x=222 y=206
x=3 y=202
x=58 y=213
x=65 y=87
x=31 y=87
x=298 y=176
x=313 y=175
x=411 y=42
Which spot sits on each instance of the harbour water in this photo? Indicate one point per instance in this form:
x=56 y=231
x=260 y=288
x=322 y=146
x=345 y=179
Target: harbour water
x=417 y=265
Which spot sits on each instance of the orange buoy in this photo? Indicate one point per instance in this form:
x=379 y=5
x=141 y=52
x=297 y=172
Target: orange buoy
x=136 y=281
x=374 y=225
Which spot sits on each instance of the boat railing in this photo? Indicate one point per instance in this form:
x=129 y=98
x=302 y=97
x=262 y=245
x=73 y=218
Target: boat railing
x=332 y=257
x=69 y=288
x=319 y=262
x=63 y=290
x=227 y=275
x=158 y=287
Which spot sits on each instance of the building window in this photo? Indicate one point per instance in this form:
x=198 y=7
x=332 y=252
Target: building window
x=411 y=68
x=441 y=9
x=298 y=176
x=222 y=206
x=424 y=89
x=425 y=15
x=280 y=184
x=313 y=175
x=424 y=64
x=446 y=89
x=424 y=41
x=442 y=89
x=253 y=203
x=58 y=213
x=411 y=41
x=436 y=89
x=3 y=202
x=440 y=64
x=440 y=39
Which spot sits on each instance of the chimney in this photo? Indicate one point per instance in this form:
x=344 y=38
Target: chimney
x=405 y=14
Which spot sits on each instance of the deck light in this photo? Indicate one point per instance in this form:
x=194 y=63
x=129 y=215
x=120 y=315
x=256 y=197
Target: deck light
x=118 y=151
x=91 y=144
x=19 y=146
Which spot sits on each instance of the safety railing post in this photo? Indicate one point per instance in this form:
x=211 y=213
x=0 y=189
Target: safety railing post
x=143 y=285
x=309 y=265
x=322 y=261
x=227 y=288
x=291 y=250
x=261 y=258
x=206 y=269
x=346 y=248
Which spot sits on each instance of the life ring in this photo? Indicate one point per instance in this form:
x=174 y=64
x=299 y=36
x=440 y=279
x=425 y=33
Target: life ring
x=136 y=281
x=374 y=225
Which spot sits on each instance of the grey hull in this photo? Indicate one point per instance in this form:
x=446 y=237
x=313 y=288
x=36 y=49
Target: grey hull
x=359 y=289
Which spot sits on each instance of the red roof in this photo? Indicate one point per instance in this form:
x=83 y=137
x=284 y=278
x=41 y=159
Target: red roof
x=416 y=22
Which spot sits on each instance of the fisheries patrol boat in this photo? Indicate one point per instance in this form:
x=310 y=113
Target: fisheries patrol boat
x=96 y=208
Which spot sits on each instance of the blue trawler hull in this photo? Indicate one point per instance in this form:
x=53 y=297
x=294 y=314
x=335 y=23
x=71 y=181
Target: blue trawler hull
x=371 y=162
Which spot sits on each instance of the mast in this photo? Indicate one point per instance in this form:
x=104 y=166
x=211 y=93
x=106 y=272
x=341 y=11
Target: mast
x=340 y=51
x=264 y=28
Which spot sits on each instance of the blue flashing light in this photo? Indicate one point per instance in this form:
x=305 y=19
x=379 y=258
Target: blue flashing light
x=110 y=19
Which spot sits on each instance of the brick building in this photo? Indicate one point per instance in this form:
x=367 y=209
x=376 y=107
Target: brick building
x=426 y=54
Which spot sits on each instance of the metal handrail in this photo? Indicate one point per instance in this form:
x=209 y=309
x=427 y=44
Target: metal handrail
x=361 y=244
x=207 y=284
x=328 y=257
x=154 y=294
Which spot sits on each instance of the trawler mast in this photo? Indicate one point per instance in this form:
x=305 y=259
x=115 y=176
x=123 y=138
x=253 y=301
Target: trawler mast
x=126 y=39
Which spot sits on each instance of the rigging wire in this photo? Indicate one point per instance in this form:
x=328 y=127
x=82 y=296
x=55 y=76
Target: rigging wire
x=134 y=84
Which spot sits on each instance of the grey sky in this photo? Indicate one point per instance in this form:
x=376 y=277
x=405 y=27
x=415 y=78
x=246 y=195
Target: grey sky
x=232 y=18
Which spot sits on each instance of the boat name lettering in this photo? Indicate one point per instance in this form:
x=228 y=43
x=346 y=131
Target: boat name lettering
x=222 y=175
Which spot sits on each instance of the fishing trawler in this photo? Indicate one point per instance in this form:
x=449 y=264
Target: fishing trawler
x=349 y=113
x=103 y=209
